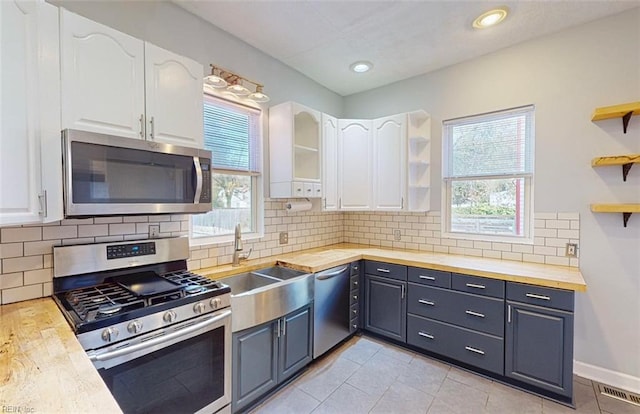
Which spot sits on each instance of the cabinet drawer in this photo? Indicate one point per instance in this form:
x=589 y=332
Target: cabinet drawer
x=355 y=283
x=476 y=312
x=473 y=348
x=392 y=271
x=542 y=296
x=429 y=277
x=478 y=285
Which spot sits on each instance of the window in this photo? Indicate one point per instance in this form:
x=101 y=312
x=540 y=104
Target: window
x=488 y=176
x=232 y=132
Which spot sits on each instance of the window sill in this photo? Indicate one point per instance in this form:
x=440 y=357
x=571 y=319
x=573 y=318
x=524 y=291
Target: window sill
x=488 y=238
x=227 y=238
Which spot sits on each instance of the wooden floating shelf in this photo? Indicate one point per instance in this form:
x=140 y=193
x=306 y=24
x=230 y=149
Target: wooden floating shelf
x=626 y=161
x=624 y=111
x=625 y=209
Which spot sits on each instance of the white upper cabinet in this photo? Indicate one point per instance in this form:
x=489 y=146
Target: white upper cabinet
x=389 y=162
x=355 y=169
x=174 y=106
x=329 y=163
x=115 y=84
x=102 y=78
x=294 y=151
x=30 y=191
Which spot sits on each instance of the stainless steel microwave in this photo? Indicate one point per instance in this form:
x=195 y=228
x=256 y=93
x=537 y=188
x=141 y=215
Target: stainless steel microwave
x=106 y=175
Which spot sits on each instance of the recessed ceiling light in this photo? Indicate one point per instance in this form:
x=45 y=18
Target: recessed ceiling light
x=361 y=66
x=490 y=18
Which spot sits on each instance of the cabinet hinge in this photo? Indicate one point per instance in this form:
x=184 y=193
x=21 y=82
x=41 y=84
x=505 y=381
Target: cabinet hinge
x=42 y=199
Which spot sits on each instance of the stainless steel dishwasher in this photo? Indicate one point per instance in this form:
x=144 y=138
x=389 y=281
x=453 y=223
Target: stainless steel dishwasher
x=331 y=319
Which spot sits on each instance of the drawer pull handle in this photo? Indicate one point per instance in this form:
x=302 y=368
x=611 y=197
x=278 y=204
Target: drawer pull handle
x=427 y=277
x=426 y=335
x=472 y=313
x=383 y=270
x=471 y=349
x=355 y=311
x=355 y=298
x=475 y=285
x=355 y=283
x=534 y=296
x=426 y=302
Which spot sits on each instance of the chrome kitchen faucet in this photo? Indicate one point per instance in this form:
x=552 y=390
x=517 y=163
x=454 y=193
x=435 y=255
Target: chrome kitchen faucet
x=237 y=248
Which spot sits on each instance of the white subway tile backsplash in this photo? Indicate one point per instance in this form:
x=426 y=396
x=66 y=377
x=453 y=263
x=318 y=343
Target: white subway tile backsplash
x=569 y=234
x=122 y=228
x=107 y=220
x=11 y=280
x=559 y=261
x=73 y=222
x=21 y=293
x=20 y=234
x=20 y=264
x=32 y=277
x=545 y=251
x=11 y=250
x=169 y=226
x=93 y=230
x=59 y=232
x=40 y=247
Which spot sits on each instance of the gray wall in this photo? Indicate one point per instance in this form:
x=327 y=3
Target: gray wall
x=566 y=75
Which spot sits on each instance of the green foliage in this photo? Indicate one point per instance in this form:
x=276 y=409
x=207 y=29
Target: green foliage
x=485 y=209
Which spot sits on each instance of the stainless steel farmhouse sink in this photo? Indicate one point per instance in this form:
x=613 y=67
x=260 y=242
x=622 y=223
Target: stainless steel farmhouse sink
x=245 y=282
x=261 y=296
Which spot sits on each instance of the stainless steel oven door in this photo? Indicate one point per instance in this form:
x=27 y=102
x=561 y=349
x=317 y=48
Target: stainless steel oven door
x=184 y=368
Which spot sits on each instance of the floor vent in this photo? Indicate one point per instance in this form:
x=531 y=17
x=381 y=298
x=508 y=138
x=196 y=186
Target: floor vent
x=618 y=394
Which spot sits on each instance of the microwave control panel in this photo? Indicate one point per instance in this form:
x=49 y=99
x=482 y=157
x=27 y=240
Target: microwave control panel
x=130 y=250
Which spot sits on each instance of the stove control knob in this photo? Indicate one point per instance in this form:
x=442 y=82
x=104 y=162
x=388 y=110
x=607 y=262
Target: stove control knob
x=169 y=316
x=199 y=307
x=109 y=334
x=134 y=327
x=215 y=303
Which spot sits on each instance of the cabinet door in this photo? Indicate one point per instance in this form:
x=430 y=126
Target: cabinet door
x=539 y=347
x=385 y=307
x=30 y=110
x=295 y=342
x=389 y=162
x=329 y=162
x=174 y=98
x=255 y=367
x=102 y=78
x=355 y=170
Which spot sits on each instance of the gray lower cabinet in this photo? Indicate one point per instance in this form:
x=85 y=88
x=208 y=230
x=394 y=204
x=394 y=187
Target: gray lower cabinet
x=266 y=355
x=385 y=307
x=539 y=338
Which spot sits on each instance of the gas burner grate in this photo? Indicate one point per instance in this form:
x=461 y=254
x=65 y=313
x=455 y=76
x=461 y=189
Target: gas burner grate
x=192 y=282
x=102 y=301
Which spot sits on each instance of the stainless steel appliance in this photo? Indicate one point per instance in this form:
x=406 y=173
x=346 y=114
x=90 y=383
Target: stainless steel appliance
x=159 y=336
x=331 y=318
x=107 y=175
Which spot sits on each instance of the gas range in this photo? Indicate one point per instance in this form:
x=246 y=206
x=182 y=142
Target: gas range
x=127 y=289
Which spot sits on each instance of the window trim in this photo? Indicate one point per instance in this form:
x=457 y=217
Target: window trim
x=257 y=202
x=528 y=202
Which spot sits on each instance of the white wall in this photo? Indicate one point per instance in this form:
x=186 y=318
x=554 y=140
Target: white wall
x=566 y=75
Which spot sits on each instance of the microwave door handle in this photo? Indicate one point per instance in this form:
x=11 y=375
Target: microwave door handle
x=198 y=169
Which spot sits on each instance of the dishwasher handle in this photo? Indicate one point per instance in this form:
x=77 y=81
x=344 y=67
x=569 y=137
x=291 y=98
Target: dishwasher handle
x=328 y=274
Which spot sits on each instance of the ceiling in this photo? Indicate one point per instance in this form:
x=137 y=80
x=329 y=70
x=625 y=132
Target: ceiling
x=402 y=38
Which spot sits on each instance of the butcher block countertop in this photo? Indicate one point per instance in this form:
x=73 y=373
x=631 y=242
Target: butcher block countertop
x=315 y=260
x=43 y=368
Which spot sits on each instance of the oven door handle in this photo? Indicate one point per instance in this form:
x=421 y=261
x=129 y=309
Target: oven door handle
x=159 y=340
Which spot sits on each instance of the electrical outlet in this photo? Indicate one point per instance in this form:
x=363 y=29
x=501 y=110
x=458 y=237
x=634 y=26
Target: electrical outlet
x=571 y=250
x=154 y=231
x=284 y=237
x=397 y=235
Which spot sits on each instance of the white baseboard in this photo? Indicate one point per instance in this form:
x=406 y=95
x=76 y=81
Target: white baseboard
x=607 y=376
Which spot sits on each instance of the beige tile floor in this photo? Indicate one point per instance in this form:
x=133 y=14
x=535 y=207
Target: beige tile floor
x=367 y=376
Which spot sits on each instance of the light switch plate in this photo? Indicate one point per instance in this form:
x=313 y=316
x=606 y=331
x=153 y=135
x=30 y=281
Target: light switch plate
x=284 y=237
